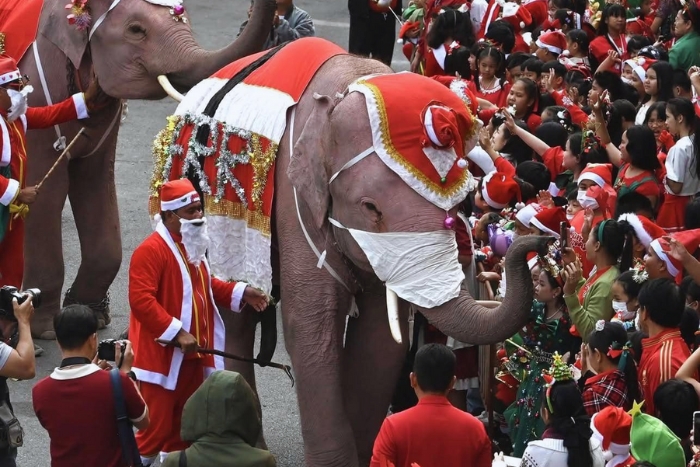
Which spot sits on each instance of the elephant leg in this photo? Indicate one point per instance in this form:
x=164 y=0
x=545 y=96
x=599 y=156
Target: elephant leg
x=371 y=355
x=93 y=198
x=43 y=247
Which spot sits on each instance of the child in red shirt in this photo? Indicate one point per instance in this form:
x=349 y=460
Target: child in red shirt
x=661 y=307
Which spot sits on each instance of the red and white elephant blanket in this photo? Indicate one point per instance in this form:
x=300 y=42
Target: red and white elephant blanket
x=237 y=177
x=19 y=22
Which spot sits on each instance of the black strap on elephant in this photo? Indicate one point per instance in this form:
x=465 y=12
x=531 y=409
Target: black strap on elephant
x=204 y=131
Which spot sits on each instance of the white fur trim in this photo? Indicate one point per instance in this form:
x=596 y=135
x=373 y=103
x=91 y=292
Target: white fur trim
x=638 y=227
x=6 y=148
x=10 y=192
x=239 y=253
x=23 y=119
x=487 y=198
x=219 y=328
x=181 y=202
x=269 y=119
x=656 y=245
x=536 y=222
x=237 y=295
x=80 y=105
x=595 y=178
x=10 y=76
x=551 y=48
x=444 y=202
x=428 y=124
x=172 y=330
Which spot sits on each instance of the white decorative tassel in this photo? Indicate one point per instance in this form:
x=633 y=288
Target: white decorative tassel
x=392 y=310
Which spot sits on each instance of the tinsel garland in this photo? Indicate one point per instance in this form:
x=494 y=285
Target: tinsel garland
x=166 y=148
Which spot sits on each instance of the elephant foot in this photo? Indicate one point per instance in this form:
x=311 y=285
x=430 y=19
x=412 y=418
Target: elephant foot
x=101 y=308
x=42 y=326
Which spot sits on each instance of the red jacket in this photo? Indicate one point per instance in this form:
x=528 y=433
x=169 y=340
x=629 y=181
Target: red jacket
x=13 y=150
x=164 y=290
x=432 y=434
x=662 y=356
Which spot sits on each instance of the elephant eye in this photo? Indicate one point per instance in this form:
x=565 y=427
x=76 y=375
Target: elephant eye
x=136 y=30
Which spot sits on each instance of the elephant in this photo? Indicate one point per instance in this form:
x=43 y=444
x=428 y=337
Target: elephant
x=140 y=48
x=345 y=368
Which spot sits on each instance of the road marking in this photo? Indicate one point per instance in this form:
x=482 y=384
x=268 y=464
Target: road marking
x=332 y=24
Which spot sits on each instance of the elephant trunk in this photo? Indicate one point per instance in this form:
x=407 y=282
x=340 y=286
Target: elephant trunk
x=198 y=63
x=465 y=320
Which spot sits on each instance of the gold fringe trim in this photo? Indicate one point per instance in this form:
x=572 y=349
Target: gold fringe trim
x=232 y=210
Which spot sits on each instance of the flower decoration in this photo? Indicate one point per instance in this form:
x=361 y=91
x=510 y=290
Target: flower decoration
x=551 y=262
x=640 y=275
x=79 y=14
x=453 y=46
x=178 y=13
x=600 y=325
x=590 y=141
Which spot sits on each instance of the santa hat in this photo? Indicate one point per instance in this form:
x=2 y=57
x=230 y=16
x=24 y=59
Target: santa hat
x=554 y=41
x=549 y=219
x=538 y=9
x=516 y=16
x=600 y=174
x=526 y=214
x=177 y=194
x=499 y=190
x=690 y=240
x=611 y=426
x=645 y=230
x=653 y=441
x=637 y=26
x=8 y=70
x=640 y=65
x=533 y=260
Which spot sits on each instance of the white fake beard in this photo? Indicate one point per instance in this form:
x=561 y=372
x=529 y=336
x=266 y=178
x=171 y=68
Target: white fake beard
x=19 y=102
x=195 y=238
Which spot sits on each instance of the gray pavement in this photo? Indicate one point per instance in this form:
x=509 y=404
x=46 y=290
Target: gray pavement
x=215 y=23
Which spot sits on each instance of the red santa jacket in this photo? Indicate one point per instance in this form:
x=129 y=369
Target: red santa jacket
x=161 y=301
x=13 y=141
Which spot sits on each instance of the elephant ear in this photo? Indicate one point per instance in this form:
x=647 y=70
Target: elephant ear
x=54 y=27
x=307 y=169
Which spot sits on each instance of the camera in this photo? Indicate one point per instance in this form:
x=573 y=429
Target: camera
x=8 y=293
x=107 y=351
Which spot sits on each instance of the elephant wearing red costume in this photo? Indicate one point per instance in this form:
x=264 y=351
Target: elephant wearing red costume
x=340 y=180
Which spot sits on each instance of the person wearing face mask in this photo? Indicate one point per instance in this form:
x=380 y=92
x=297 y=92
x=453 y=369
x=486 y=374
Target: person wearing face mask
x=15 y=119
x=174 y=297
x=625 y=291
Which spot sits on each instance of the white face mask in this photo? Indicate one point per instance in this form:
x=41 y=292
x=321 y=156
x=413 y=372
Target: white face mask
x=195 y=238
x=420 y=267
x=586 y=201
x=19 y=102
x=621 y=312
x=569 y=217
x=627 y=81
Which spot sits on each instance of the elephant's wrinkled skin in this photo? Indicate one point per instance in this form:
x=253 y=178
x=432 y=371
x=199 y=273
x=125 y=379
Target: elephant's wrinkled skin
x=345 y=387
x=137 y=42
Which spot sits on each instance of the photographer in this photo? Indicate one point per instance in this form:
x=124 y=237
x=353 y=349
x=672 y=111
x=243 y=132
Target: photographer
x=16 y=361
x=76 y=402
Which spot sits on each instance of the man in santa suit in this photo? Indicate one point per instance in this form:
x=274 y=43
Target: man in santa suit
x=172 y=297
x=15 y=120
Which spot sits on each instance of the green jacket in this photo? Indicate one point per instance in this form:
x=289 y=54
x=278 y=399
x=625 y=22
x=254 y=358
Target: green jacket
x=221 y=420
x=685 y=52
x=596 y=306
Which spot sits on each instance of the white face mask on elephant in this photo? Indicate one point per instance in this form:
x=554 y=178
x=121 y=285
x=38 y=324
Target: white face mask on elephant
x=19 y=102
x=420 y=267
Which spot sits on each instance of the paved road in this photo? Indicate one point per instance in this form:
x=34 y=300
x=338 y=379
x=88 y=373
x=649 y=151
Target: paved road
x=215 y=23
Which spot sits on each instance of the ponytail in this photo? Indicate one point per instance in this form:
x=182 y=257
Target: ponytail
x=611 y=341
x=617 y=239
x=681 y=107
x=569 y=420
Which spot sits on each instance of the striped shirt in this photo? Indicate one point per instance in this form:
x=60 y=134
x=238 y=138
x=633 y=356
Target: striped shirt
x=662 y=356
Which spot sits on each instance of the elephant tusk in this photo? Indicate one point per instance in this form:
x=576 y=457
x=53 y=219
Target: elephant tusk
x=169 y=89
x=392 y=309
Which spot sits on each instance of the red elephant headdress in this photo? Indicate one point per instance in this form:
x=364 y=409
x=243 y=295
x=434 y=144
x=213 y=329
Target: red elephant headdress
x=420 y=130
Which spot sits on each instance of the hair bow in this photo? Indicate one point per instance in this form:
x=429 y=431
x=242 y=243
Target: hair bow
x=620 y=351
